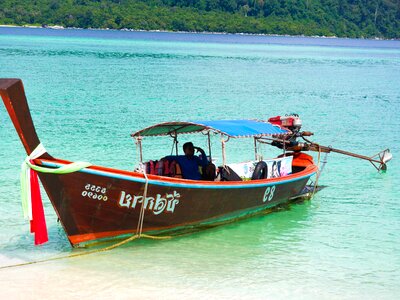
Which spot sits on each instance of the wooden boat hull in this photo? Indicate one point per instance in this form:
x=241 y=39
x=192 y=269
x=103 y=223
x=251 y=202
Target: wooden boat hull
x=99 y=202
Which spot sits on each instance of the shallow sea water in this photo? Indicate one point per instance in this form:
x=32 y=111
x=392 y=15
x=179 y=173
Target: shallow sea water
x=88 y=90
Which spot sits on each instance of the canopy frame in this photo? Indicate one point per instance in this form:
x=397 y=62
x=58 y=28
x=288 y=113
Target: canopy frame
x=138 y=142
x=231 y=128
x=225 y=128
x=174 y=135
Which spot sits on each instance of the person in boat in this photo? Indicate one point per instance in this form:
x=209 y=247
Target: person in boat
x=189 y=162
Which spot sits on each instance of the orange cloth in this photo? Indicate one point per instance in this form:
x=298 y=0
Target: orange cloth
x=302 y=160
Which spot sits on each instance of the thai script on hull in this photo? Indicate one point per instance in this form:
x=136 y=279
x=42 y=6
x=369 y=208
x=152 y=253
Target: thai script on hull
x=160 y=203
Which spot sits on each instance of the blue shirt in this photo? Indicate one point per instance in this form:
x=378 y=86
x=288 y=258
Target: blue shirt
x=190 y=165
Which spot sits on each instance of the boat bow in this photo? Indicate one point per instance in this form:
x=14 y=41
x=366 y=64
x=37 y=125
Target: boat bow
x=13 y=95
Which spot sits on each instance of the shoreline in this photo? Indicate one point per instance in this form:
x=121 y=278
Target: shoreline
x=59 y=27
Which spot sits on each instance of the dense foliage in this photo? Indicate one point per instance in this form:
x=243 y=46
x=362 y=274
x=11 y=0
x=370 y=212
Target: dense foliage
x=351 y=18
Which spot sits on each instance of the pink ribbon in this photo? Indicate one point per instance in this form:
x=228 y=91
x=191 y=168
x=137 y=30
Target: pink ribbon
x=38 y=222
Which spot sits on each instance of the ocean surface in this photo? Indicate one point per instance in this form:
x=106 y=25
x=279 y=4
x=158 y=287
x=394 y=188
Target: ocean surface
x=89 y=90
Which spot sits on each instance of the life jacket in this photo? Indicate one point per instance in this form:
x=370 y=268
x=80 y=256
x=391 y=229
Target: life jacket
x=159 y=168
x=175 y=170
x=147 y=167
x=166 y=169
x=178 y=171
x=162 y=167
x=151 y=167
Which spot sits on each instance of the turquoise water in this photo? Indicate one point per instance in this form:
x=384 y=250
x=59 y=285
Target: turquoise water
x=88 y=91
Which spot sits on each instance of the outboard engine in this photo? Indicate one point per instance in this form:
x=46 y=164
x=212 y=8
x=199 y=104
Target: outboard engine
x=291 y=122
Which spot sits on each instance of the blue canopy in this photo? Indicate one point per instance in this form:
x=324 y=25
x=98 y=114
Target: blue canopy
x=231 y=128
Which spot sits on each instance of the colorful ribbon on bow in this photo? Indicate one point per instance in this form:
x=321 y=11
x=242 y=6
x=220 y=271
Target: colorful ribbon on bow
x=32 y=204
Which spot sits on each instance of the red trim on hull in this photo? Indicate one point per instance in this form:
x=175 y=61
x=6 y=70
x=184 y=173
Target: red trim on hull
x=309 y=168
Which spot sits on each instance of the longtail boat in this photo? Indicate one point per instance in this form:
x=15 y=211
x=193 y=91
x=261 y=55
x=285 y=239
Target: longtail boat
x=95 y=202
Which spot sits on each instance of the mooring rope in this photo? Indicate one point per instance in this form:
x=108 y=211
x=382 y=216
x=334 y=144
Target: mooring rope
x=139 y=227
x=127 y=240
x=138 y=235
x=73 y=167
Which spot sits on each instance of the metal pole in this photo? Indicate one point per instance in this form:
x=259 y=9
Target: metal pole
x=176 y=143
x=209 y=146
x=223 y=153
x=255 y=148
x=284 y=149
x=223 y=149
x=330 y=149
x=139 y=145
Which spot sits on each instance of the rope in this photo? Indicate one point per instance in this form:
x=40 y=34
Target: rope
x=25 y=176
x=131 y=238
x=70 y=168
x=73 y=167
x=318 y=172
x=139 y=227
x=324 y=162
x=138 y=235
